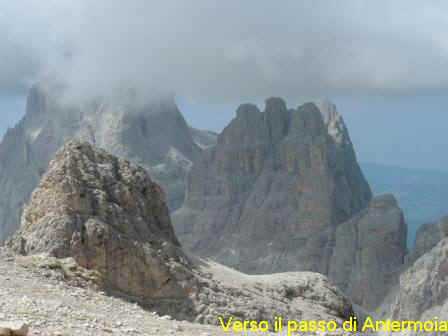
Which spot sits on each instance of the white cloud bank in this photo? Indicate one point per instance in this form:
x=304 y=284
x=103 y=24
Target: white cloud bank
x=220 y=50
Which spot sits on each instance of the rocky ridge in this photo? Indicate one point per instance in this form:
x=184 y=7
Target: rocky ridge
x=421 y=293
x=282 y=191
x=270 y=194
x=99 y=220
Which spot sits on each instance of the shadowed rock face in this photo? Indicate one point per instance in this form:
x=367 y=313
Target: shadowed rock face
x=369 y=252
x=154 y=135
x=271 y=194
x=109 y=216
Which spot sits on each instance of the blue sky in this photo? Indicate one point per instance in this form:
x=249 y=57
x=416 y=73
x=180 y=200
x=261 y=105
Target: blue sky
x=12 y=107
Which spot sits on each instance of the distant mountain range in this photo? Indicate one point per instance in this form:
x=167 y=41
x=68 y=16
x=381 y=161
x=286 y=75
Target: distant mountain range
x=422 y=194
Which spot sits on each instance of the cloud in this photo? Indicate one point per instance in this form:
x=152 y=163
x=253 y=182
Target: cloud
x=221 y=50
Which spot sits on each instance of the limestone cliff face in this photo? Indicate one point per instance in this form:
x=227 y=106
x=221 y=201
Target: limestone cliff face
x=110 y=217
x=270 y=195
x=282 y=191
x=423 y=290
x=428 y=235
x=153 y=134
x=107 y=214
x=369 y=252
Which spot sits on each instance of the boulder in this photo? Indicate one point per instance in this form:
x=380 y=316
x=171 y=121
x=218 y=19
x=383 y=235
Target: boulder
x=13 y=328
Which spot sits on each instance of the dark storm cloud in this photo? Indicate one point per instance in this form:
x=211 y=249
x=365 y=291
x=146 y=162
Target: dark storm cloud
x=221 y=50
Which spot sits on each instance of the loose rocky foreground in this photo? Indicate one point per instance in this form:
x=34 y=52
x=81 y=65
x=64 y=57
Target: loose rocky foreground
x=55 y=301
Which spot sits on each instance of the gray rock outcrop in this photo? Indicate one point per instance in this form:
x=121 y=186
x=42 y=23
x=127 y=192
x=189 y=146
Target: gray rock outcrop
x=153 y=134
x=423 y=287
x=369 y=252
x=269 y=196
x=110 y=217
x=422 y=293
x=428 y=235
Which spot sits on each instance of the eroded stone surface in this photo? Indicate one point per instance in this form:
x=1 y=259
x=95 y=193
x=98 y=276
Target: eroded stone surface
x=428 y=235
x=369 y=252
x=108 y=216
x=269 y=196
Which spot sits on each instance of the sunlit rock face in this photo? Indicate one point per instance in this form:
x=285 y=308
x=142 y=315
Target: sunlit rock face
x=152 y=133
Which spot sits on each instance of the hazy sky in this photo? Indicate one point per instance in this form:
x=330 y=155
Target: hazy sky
x=384 y=62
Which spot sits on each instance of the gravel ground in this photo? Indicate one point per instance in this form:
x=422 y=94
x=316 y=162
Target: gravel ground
x=42 y=298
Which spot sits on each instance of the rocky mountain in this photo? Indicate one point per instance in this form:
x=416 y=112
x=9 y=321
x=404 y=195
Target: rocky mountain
x=270 y=194
x=282 y=191
x=152 y=133
x=421 y=294
x=422 y=194
x=369 y=252
x=103 y=220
